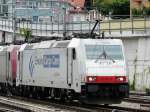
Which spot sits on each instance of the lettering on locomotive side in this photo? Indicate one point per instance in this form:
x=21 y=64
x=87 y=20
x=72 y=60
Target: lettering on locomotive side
x=46 y=61
x=51 y=61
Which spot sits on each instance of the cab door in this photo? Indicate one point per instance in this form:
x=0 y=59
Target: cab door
x=71 y=55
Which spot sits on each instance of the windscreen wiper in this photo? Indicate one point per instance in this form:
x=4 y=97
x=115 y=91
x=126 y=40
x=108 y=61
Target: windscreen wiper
x=105 y=56
x=111 y=59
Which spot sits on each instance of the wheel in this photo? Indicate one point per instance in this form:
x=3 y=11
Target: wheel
x=68 y=96
x=52 y=94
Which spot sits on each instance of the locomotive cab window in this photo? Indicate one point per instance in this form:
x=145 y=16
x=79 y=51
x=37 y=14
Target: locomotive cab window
x=104 y=52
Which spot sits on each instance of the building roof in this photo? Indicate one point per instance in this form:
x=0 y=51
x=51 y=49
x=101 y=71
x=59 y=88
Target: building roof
x=77 y=3
x=137 y=0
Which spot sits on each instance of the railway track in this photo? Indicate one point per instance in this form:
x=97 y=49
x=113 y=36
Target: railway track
x=34 y=105
x=6 y=106
x=139 y=99
x=47 y=105
x=142 y=100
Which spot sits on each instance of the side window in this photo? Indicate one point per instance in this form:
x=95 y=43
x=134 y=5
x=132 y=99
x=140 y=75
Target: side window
x=73 y=53
x=8 y=55
x=18 y=55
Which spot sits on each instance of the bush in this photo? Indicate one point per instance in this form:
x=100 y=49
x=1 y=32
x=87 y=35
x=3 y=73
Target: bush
x=137 y=12
x=26 y=33
x=147 y=11
x=117 y=7
x=144 y=11
x=121 y=7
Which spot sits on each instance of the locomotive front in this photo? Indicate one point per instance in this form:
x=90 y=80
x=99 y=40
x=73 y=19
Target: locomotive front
x=106 y=79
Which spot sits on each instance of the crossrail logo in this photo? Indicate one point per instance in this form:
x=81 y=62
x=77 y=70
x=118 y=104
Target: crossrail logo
x=31 y=66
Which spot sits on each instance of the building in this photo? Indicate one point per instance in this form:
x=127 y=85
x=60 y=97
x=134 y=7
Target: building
x=77 y=3
x=83 y=11
x=42 y=10
x=139 y=4
x=78 y=15
x=35 y=10
x=3 y=8
x=47 y=10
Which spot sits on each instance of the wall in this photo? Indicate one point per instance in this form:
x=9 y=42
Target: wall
x=78 y=17
x=138 y=56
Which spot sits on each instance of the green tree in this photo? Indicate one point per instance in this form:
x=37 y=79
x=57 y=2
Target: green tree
x=121 y=7
x=26 y=33
x=104 y=6
x=117 y=7
x=147 y=11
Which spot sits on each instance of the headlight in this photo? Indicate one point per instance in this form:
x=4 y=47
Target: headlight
x=91 y=78
x=121 y=78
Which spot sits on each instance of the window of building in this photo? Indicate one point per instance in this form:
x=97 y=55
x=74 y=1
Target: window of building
x=35 y=18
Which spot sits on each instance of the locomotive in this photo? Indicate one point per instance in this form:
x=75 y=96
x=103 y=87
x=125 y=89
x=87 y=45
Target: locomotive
x=92 y=71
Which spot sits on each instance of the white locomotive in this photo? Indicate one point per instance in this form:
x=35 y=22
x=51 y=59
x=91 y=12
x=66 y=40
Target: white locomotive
x=93 y=71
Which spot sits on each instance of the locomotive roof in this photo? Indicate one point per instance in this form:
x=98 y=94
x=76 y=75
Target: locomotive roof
x=46 y=44
x=68 y=43
x=103 y=41
x=8 y=47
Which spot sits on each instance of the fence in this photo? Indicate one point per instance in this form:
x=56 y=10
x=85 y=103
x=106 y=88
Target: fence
x=120 y=25
x=47 y=29
x=107 y=26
